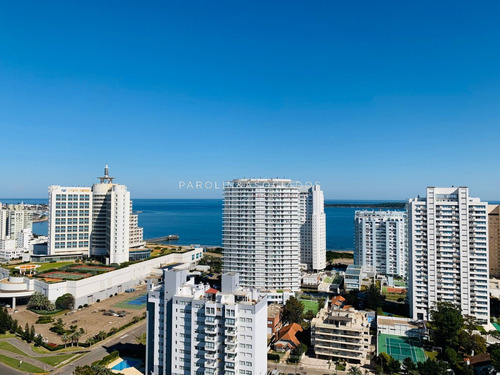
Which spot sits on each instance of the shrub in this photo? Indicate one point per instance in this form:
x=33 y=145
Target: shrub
x=108 y=359
x=273 y=357
x=44 y=320
x=39 y=301
x=65 y=302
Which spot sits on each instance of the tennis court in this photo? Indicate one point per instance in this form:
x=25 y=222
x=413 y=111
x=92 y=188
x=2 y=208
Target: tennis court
x=93 y=268
x=135 y=303
x=64 y=275
x=400 y=347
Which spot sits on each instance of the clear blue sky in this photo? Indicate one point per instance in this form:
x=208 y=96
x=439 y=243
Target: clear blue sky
x=373 y=99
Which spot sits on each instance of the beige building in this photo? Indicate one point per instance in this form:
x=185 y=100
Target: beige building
x=494 y=237
x=342 y=333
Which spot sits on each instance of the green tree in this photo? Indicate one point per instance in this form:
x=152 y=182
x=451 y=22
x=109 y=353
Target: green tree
x=373 y=298
x=292 y=313
x=494 y=351
x=354 y=371
x=65 y=339
x=446 y=323
x=65 y=302
x=39 y=301
x=92 y=370
x=452 y=356
x=141 y=339
x=38 y=340
x=6 y=321
x=75 y=337
x=309 y=315
x=431 y=367
x=351 y=298
x=32 y=333
x=26 y=333
x=409 y=367
x=58 y=327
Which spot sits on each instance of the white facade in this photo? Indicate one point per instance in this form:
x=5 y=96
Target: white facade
x=341 y=334
x=380 y=242
x=193 y=329
x=90 y=289
x=106 y=225
x=13 y=220
x=261 y=233
x=117 y=236
x=69 y=220
x=448 y=246
x=312 y=228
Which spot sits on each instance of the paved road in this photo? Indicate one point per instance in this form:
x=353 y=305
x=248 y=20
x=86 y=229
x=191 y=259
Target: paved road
x=7 y=370
x=99 y=351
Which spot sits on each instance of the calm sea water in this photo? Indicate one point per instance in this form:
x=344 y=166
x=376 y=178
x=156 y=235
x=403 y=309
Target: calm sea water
x=199 y=221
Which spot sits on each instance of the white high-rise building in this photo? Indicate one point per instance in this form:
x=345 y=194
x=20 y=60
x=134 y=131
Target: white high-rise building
x=106 y=225
x=312 y=228
x=118 y=228
x=69 y=220
x=13 y=220
x=448 y=247
x=261 y=232
x=194 y=329
x=380 y=242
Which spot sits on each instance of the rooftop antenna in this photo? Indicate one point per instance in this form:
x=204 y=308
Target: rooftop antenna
x=106 y=179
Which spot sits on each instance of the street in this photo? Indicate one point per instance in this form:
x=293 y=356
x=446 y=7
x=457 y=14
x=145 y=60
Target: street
x=99 y=350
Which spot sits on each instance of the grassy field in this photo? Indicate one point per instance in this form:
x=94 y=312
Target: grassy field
x=11 y=348
x=55 y=360
x=43 y=266
x=310 y=305
x=14 y=363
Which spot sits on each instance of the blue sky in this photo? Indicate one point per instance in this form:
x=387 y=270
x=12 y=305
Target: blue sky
x=375 y=100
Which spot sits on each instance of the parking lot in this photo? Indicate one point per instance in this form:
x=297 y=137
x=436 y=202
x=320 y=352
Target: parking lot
x=93 y=318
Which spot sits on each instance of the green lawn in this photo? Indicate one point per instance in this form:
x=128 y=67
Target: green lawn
x=11 y=348
x=328 y=280
x=14 y=363
x=43 y=266
x=50 y=360
x=310 y=305
x=54 y=360
x=7 y=335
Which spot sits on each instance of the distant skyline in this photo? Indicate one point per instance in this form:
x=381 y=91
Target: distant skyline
x=375 y=100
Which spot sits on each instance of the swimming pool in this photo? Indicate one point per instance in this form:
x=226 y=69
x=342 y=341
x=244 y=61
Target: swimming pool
x=126 y=363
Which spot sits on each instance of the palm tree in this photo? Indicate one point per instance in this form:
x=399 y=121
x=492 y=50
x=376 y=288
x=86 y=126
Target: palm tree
x=75 y=337
x=65 y=338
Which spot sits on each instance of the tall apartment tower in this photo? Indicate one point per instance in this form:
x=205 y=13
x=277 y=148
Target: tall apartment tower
x=106 y=225
x=448 y=247
x=13 y=220
x=312 y=228
x=70 y=220
x=261 y=232
x=194 y=329
x=380 y=242
x=494 y=239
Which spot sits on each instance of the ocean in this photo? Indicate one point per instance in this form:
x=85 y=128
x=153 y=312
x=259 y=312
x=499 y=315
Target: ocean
x=199 y=221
